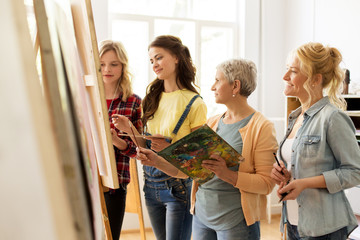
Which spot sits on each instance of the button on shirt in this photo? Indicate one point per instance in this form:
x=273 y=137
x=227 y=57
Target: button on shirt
x=325 y=145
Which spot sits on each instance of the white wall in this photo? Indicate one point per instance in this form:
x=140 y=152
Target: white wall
x=337 y=23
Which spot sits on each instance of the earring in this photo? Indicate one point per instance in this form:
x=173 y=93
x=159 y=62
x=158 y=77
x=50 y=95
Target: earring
x=233 y=95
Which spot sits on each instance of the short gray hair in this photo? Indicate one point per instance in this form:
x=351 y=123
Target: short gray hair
x=242 y=70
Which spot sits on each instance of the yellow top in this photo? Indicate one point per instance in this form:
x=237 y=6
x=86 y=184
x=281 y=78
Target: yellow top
x=171 y=107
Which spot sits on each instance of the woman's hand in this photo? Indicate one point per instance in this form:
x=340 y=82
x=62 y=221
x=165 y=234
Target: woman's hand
x=294 y=188
x=121 y=122
x=280 y=173
x=117 y=142
x=147 y=157
x=158 y=144
x=218 y=166
x=150 y=158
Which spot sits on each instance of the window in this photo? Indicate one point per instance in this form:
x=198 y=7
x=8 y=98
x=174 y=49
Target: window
x=209 y=28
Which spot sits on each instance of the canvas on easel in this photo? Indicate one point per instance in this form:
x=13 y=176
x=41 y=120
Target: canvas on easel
x=34 y=201
x=58 y=94
x=89 y=55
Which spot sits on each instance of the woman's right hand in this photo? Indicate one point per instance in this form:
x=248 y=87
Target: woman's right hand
x=280 y=173
x=121 y=122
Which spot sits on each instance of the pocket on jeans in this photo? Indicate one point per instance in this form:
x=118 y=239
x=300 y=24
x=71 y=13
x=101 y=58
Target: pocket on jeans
x=179 y=191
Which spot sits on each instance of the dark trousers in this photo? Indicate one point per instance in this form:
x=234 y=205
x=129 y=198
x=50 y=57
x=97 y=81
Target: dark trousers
x=115 y=204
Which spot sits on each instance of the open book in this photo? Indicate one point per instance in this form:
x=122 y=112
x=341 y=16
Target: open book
x=188 y=153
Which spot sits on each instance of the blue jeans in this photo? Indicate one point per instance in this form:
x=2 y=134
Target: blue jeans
x=239 y=232
x=292 y=234
x=168 y=205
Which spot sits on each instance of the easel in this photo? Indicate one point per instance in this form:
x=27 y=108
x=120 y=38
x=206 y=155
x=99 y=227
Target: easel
x=66 y=130
x=54 y=60
x=82 y=14
x=133 y=200
x=27 y=137
x=133 y=192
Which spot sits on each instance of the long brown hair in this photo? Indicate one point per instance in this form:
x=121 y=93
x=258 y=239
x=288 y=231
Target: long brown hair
x=185 y=74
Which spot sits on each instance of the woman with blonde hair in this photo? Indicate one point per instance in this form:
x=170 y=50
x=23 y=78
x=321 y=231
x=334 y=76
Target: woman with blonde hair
x=121 y=101
x=319 y=149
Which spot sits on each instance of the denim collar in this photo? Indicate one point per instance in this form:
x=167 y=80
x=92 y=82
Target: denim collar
x=316 y=107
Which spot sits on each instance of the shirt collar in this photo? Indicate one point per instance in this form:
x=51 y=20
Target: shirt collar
x=316 y=107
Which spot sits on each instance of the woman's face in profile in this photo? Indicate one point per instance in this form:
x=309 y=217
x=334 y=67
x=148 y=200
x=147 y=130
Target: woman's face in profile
x=294 y=79
x=222 y=88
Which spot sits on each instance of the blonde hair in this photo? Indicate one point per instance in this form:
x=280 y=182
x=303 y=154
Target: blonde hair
x=242 y=70
x=317 y=59
x=125 y=79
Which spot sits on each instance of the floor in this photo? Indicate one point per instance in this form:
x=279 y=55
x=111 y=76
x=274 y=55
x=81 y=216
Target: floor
x=268 y=231
x=355 y=235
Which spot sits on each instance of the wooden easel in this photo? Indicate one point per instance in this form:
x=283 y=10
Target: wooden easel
x=133 y=199
x=98 y=202
x=62 y=118
x=89 y=54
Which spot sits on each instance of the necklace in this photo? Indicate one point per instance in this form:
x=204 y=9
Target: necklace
x=113 y=98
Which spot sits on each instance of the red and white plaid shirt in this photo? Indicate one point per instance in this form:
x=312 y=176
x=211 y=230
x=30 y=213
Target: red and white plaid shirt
x=131 y=108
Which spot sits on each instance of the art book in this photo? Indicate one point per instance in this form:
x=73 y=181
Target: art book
x=188 y=153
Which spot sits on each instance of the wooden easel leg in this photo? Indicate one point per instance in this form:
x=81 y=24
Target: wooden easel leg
x=104 y=212
x=36 y=43
x=142 y=225
x=133 y=199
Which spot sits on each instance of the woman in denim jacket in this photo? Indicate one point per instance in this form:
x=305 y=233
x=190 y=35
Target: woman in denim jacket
x=320 y=149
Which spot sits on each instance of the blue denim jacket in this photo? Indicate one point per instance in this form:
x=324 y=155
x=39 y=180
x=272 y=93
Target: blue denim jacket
x=324 y=144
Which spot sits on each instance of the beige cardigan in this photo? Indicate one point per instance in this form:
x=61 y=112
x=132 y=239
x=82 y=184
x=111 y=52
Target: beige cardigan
x=254 y=181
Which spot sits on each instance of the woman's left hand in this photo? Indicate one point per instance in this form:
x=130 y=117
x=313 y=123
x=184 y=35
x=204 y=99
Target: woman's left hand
x=117 y=142
x=294 y=188
x=147 y=157
x=121 y=122
x=217 y=165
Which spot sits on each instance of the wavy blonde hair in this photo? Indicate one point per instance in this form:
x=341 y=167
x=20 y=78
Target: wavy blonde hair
x=125 y=79
x=316 y=58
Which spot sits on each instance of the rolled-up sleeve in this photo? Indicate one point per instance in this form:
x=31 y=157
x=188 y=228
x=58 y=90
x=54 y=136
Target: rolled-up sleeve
x=342 y=141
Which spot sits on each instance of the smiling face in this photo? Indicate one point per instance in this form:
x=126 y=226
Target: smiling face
x=294 y=80
x=223 y=90
x=111 y=67
x=164 y=63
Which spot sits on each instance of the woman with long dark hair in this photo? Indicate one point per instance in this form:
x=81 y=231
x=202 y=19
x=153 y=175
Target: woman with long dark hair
x=168 y=198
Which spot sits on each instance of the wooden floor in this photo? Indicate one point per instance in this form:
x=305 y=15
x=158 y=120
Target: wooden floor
x=268 y=231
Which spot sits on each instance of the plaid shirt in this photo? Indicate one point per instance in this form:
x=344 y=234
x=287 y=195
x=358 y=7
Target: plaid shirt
x=131 y=108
